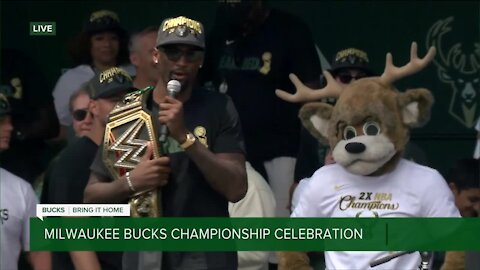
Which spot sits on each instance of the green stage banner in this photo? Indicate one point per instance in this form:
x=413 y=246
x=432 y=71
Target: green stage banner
x=243 y=234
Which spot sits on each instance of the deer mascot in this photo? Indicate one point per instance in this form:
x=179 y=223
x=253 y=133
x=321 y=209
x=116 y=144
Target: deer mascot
x=367 y=130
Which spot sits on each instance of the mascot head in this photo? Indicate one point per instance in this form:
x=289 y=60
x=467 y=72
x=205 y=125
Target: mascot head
x=368 y=127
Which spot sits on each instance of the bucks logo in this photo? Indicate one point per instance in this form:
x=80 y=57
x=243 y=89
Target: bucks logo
x=460 y=70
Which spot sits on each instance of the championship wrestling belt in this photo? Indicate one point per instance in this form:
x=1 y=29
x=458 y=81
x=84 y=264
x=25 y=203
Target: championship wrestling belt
x=129 y=130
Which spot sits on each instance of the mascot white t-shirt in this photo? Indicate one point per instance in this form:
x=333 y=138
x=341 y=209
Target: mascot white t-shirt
x=411 y=190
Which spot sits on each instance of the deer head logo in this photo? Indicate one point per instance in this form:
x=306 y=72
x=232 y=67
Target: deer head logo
x=460 y=70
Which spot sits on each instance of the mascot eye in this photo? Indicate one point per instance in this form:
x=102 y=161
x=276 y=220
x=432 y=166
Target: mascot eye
x=349 y=132
x=371 y=128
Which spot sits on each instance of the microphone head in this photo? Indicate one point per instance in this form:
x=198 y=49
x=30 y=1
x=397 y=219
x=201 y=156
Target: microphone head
x=173 y=87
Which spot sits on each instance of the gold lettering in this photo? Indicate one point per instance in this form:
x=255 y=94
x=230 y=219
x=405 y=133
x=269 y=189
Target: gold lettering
x=383 y=196
x=192 y=24
x=347 y=199
x=349 y=202
x=111 y=72
x=352 y=51
x=201 y=133
x=267 y=62
x=393 y=206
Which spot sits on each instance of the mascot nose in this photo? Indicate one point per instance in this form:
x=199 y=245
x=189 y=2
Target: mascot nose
x=355 y=147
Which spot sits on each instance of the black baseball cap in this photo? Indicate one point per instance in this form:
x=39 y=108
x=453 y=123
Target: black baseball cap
x=181 y=30
x=350 y=58
x=109 y=83
x=103 y=21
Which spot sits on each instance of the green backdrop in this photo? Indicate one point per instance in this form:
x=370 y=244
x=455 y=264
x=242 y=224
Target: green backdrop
x=375 y=26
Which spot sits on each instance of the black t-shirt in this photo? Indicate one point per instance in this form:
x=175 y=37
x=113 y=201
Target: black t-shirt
x=67 y=182
x=69 y=176
x=213 y=119
x=250 y=69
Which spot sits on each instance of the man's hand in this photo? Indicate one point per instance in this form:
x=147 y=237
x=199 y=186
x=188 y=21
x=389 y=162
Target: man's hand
x=150 y=172
x=171 y=114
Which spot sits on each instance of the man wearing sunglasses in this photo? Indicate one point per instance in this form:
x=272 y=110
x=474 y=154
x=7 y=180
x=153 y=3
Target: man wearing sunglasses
x=349 y=65
x=82 y=118
x=71 y=172
x=206 y=166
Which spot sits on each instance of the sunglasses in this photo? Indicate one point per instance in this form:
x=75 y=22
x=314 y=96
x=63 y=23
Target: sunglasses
x=174 y=54
x=80 y=114
x=347 y=78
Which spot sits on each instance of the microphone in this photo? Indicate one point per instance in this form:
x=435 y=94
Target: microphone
x=173 y=87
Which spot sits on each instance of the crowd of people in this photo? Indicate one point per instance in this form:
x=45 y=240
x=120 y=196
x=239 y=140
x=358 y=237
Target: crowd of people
x=234 y=149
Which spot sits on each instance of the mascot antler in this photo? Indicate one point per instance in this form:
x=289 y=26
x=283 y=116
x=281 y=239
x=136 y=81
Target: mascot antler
x=334 y=89
x=305 y=94
x=393 y=73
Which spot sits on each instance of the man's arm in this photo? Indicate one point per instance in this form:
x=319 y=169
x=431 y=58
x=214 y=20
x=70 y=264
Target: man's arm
x=40 y=260
x=224 y=172
x=100 y=190
x=85 y=260
x=148 y=174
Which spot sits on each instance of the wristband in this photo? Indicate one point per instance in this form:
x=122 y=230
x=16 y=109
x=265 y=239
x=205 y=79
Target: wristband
x=129 y=182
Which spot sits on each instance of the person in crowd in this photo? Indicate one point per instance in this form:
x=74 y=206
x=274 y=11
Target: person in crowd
x=82 y=118
x=70 y=173
x=258 y=202
x=82 y=124
x=141 y=47
x=17 y=204
x=32 y=115
x=464 y=181
x=253 y=50
x=102 y=44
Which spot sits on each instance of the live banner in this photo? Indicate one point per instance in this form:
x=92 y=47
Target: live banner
x=243 y=234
